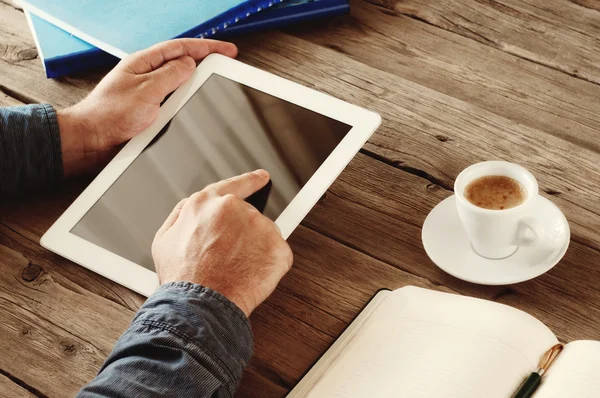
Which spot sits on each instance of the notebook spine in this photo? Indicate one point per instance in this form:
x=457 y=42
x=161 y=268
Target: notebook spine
x=82 y=61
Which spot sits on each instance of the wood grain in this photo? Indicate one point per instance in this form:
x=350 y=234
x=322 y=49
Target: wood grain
x=8 y=388
x=7 y=100
x=593 y=4
x=11 y=3
x=49 y=325
x=535 y=96
x=556 y=33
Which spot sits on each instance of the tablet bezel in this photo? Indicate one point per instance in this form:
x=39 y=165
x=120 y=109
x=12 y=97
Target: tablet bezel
x=363 y=123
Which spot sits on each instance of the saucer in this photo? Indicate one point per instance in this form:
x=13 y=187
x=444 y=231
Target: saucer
x=447 y=244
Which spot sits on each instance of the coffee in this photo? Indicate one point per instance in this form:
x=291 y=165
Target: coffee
x=495 y=192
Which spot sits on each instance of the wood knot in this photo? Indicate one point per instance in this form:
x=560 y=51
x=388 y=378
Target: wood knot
x=24 y=331
x=12 y=53
x=31 y=272
x=68 y=347
x=27 y=54
x=443 y=138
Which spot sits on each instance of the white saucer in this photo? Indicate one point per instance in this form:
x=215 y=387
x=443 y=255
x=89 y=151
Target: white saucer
x=447 y=244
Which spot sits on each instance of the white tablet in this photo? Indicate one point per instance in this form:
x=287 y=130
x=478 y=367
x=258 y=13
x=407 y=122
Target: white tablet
x=229 y=118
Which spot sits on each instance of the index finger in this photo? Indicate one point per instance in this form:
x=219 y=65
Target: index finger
x=154 y=57
x=241 y=186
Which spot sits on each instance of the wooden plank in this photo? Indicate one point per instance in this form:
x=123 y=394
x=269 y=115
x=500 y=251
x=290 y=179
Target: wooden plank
x=49 y=326
x=254 y=384
x=560 y=34
x=593 y=4
x=519 y=90
x=11 y=3
x=9 y=389
x=434 y=135
x=21 y=71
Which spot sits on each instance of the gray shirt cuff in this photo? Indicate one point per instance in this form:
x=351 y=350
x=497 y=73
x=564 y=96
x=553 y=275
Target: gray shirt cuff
x=30 y=149
x=185 y=341
x=202 y=316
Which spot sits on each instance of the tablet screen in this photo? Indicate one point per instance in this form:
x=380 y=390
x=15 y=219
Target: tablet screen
x=225 y=129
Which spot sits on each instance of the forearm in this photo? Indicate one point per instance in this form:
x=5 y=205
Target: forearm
x=30 y=149
x=186 y=340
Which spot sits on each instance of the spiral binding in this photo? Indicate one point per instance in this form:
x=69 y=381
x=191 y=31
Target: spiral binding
x=226 y=24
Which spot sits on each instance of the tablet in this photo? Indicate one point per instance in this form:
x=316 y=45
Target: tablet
x=228 y=119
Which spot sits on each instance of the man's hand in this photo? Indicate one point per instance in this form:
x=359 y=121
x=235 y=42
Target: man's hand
x=217 y=240
x=127 y=100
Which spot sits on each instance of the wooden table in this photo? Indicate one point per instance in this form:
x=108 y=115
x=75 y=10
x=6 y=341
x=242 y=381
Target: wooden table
x=457 y=82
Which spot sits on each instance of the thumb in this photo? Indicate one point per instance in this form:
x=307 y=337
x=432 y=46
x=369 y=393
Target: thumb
x=172 y=218
x=169 y=77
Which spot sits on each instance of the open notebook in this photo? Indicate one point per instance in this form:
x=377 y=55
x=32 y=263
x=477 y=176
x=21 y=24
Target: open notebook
x=418 y=343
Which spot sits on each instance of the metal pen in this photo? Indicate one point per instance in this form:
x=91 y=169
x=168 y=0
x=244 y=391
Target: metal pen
x=533 y=381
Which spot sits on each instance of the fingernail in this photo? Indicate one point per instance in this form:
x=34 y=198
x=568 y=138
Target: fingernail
x=262 y=173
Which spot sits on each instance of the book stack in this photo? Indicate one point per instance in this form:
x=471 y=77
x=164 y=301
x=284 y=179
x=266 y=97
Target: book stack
x=77 y=35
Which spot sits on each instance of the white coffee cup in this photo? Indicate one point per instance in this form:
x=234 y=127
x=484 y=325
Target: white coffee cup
x=497 y=234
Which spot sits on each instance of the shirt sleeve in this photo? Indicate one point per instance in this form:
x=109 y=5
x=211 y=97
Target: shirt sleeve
x=30 y=149
x=185 y=341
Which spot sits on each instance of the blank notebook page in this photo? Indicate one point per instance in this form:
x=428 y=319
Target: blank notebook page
x=421 y=344
x=576 y=373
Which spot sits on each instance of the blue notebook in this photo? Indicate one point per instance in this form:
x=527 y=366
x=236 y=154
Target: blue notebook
x=123 y=27
x=63 y=53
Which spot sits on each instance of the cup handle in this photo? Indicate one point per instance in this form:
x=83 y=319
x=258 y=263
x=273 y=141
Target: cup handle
x=533 y=225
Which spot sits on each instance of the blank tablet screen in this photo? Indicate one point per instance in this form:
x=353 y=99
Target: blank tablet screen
x=225 y=129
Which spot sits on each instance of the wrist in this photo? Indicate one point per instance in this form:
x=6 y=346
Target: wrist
x=238 y=300
x=77 y=142
x=235 y=298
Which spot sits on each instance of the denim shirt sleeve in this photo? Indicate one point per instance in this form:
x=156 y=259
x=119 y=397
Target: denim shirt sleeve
x=185 y=341
x=30 y=149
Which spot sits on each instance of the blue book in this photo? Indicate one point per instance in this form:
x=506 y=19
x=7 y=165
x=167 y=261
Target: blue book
x=63 y=53
x=124 y=27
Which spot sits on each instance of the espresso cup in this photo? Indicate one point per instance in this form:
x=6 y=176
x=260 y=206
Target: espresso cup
x=497 y=234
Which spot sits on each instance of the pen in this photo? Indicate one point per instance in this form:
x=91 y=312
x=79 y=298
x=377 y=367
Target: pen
x=533 y=381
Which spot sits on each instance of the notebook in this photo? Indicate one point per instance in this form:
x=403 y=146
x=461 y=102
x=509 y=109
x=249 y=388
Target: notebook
x=123 y=27
x=63 y=54
x=420 y=343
